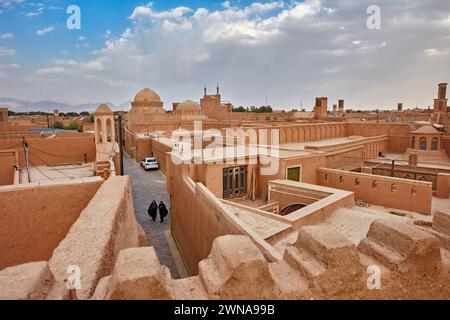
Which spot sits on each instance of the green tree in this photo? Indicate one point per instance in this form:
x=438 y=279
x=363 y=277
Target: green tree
x=240 y=109
x=73 y=125
x=58 y=125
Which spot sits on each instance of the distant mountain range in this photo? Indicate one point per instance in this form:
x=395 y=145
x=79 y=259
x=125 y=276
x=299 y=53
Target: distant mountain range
x=17 y=105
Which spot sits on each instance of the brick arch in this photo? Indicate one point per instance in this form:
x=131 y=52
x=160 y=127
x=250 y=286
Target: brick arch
x=289 y=135
x=301 y=134
x=307 y=133
x=294 y=134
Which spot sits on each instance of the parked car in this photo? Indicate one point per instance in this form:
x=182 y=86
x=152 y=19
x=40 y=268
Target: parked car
x=150 y=164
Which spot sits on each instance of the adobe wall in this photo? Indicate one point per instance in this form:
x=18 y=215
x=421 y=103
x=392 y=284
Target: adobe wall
x=8 y=158
x=443 y=185
x=34 y=218
x=399 y=134
x=294 y=133
x=446 y=144
x=160 y=152
x=105 y=226
x=390 y=192
x=60 y=150
x=11 y=127
x=211 y=175
x=309 y=167
x=285 y=196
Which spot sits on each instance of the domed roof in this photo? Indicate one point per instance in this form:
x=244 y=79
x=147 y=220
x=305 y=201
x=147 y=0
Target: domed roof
x=103 y=109
x=147 y=95
x=427 y=130
x=188 y=105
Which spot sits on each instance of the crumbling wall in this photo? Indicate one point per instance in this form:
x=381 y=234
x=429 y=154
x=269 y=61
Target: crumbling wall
x=105 y=227
x=396 y=260
x=34 y=218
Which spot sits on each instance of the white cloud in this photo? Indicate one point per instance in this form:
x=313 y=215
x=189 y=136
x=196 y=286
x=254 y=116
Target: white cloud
x=8 y=3
x=147 y=12
x=66 y=62
x=50 y=71
x=7 y=52
x=7 y=36
x=41 y=32
x=433 y=52
x=95 y=65
x=9 y=66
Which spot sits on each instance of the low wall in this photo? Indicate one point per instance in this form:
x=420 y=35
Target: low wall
x=160 y=152
x=34 y=218
x=286 y=196
x=106 y=226
x=328 y=201
x=390 y=192
x=60 y=150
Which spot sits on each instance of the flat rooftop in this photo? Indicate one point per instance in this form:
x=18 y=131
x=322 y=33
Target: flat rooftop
x=59 y=172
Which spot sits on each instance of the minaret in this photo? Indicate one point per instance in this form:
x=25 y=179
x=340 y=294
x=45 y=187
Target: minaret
x=205 y=90
x=218 y=90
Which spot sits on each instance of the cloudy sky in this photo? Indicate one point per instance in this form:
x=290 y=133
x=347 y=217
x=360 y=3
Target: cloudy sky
x=287 y=51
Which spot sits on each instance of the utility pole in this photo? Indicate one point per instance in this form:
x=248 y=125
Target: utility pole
x=25 y=150
x=121 y=144
x=393 y=168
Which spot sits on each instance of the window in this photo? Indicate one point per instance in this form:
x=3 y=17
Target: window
x=357 y=182
x=423 y=143
x=413 y=142
x=341 y=179
x=293 y=174
x=434 y=144
x=413 y=191
x=374 y=184
x=234 y=182
x=326 y=177
x=393 y=187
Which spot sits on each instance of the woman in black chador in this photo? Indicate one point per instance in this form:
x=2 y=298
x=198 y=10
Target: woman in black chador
x=163 y=212
x=153 y=210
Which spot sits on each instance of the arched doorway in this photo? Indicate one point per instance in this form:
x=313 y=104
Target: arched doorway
x=292 y=208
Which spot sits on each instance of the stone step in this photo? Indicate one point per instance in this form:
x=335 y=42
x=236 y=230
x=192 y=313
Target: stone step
x=308 y=265
x=327 y=245
x=398 y=244
x=381 y=253
x=290 y=282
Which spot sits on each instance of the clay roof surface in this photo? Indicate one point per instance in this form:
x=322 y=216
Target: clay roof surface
x=146 y=95
x=427 y=130
x=103 y=109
